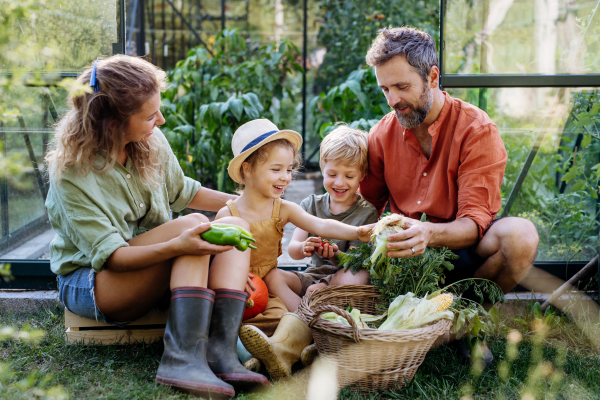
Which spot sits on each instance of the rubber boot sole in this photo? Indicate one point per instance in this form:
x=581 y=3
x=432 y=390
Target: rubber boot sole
x=259 y=345
x=197 y=389
x=308 y=355
x=235 y=378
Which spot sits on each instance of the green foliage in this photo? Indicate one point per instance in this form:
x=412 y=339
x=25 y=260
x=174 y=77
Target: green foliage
x=347 y=29
x=358 y=101
x=208 y=98
x=560 y=192
x=425 y=275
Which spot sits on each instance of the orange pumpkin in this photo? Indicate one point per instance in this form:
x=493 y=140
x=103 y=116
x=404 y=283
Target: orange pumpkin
x=257 y=302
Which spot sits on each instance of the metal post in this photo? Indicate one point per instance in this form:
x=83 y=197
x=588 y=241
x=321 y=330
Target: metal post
x=515 y=190
x=121 y=35
x=165 y=48
x=222 y=15
x=441 y=44
x=140 y=44
x=4 y=187
x=304 y=56
x=36 y=169
x=483 y=65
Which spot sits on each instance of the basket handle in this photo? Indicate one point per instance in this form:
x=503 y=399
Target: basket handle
x=328 y=308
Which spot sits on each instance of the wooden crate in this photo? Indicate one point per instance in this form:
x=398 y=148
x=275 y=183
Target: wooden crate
x=149 y=328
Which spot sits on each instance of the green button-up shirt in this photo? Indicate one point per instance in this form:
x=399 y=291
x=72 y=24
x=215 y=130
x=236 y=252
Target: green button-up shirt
x=96 y=214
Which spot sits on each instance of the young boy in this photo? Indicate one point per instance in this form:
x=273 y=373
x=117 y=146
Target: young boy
x=343 y=164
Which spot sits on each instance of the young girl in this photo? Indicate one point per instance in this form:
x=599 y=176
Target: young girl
x=264 y=160
x=114 y=181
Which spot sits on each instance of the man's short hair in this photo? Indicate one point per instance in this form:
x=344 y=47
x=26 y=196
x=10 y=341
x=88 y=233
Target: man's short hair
x=346 y=145
x=417 y=46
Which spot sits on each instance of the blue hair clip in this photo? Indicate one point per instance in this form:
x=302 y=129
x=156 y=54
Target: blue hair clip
x=93 y=80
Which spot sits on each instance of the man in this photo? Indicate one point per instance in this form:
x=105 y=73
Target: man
x=440 y=156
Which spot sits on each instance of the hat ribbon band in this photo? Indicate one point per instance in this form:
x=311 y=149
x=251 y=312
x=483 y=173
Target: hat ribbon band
x=257 y=140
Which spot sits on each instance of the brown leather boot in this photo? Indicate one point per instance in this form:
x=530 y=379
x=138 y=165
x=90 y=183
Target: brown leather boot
x=183 y=363
x=224 y=328
x=283 y=349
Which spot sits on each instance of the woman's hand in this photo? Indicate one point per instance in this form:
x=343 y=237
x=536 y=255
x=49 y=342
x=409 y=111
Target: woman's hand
x=190 y=243
x=310 y=246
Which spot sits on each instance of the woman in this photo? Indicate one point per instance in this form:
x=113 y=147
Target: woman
x=114 y=181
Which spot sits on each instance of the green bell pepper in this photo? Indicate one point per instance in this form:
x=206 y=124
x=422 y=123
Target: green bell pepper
x=228 y=235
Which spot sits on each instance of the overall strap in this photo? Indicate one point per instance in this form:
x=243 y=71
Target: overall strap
x=232 y=208
x=276 y=206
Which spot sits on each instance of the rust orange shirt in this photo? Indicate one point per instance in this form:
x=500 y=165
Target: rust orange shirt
x=461 y=179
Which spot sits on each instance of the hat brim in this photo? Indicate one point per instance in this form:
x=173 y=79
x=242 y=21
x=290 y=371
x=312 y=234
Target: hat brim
x=234 y=165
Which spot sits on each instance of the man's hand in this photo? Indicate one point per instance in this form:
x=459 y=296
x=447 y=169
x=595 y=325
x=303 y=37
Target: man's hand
x=410 y=242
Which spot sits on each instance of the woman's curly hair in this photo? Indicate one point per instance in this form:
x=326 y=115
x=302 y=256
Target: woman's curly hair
x=96 y=121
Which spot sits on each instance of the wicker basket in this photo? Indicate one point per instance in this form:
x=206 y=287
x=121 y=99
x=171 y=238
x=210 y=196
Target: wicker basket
x=366 y=358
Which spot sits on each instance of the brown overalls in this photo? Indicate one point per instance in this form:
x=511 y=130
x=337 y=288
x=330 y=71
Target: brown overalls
x=268 y=234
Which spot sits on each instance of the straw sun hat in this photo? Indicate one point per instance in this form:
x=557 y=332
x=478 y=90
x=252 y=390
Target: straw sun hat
x=252 y=135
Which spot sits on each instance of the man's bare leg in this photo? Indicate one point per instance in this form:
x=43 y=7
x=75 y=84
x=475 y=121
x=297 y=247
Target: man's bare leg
x=509 y=247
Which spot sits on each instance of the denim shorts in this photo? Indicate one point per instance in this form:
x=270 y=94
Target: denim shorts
x=76 y=291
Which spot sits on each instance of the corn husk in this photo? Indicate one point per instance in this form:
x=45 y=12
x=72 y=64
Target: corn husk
x=359 y=318
x=409 y=312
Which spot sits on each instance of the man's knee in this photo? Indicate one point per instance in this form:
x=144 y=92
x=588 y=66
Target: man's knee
x=521 y=238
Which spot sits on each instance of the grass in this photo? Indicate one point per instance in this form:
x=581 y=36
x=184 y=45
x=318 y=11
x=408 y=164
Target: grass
x=127 y=372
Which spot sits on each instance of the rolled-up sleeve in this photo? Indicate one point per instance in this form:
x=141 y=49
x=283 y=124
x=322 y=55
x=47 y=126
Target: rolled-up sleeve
x=373 y=187
x=482 y=163
x=87 y=226
x=181 y=189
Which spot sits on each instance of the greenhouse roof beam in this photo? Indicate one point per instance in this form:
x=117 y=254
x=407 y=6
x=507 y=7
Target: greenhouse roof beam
x=507 y=81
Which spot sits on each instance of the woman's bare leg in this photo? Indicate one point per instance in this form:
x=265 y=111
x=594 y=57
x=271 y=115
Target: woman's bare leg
x=129 y=295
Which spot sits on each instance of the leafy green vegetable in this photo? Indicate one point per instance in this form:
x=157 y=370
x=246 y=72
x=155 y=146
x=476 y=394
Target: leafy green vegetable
x=426 y=274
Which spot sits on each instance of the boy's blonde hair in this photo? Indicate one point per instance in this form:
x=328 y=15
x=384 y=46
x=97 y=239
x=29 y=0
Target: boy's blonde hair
x=346 y=145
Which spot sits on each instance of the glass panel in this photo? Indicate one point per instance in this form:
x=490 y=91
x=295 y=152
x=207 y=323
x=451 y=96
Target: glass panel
x=64 y=35
x=521 y=37
x=560 y=191
x=59 y=38
x=166 y=38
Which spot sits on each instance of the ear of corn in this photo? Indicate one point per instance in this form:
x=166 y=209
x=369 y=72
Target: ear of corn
x=444 y=301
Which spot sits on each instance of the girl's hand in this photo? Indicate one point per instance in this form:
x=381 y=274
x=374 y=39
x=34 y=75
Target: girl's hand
x=311 y=245
x=249 y=284
x=364 y=232
x=190 y=243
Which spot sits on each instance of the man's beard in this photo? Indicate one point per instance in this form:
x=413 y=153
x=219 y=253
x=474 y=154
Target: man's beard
x=418 y=113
